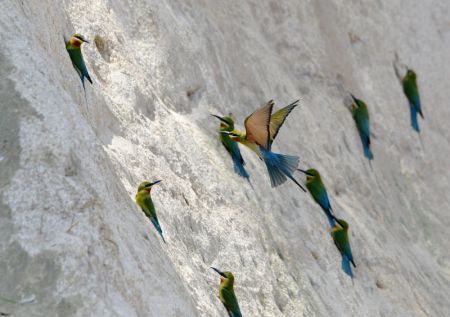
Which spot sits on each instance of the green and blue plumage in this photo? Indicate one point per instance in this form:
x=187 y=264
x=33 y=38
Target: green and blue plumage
x=411 y=91
x=144 y=201
x=319 y=193
x=339 y=233
x=261 y=128
x=227 y=295
x=73 y=47
x=361 y=116
x=232 y=147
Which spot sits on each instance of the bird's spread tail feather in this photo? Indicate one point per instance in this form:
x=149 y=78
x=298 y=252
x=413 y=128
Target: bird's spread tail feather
x=280 y=166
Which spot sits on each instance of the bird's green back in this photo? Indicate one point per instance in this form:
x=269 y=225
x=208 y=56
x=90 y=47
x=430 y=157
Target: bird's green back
x=144 y=201
x=410 y=85
x=340 y=237
x=361 y=116
x=314 y=184
x=77 y=58
x=224 y=138
x=228 y=298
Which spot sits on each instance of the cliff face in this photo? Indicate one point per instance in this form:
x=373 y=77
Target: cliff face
x=72 y=241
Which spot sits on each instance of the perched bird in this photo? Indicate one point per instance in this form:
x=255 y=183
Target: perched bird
x=73 y=47
x=227 y=124
x=361 y=117
x=226 y=294
x=412 y=93
x=339 y=233
x=261 y=128
x=319 y=193
x=144 y=200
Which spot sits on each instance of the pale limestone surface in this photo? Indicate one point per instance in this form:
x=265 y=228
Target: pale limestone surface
x=72 y=241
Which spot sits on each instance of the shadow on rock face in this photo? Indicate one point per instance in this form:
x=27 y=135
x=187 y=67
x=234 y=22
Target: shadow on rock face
x=27 y=281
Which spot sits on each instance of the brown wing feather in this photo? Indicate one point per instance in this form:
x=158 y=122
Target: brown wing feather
x=257 y=125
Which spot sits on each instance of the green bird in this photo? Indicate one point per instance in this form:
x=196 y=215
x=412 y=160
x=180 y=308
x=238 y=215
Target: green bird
x=73 y=47
x=339 y=233
x=411 y=91
x=227 y=124
x=361 y=117
x=226 y=294
x=144 y=200
x=319 y=193
x=261 y=129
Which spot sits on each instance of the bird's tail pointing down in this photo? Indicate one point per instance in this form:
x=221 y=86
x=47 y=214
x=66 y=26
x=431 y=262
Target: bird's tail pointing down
x=158 y=228
x=280 y=166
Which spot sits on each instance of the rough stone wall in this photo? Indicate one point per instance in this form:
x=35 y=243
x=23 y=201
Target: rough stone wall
x=72 y=241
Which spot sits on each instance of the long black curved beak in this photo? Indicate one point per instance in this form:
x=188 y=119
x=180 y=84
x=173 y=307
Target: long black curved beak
x=338 y=221
x=220 y=118
x=354 y=98
x=304 y=172
x=155 y=182
x=221 y=273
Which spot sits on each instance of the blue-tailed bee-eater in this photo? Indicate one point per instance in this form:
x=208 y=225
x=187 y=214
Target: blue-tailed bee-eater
x=144 y=201
x=261 y=128
x=226 y=293
x=227 y=124
x=73 y=46
x=339 y=233
x=411 y=91
x=319 y=193
x=361 y=117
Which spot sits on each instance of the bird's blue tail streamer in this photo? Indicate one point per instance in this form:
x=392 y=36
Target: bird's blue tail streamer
x=158 y=228
x=346 y=266
x=414 y=122
x=280 y=166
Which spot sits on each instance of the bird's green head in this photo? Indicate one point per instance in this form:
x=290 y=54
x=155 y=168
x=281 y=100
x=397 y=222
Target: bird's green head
x=77 y=39
x=355 y=103
x=311 y=174
x=147 y=185
x=226 y=276
x=411 y=74
x=342 y=223
x=226 y=122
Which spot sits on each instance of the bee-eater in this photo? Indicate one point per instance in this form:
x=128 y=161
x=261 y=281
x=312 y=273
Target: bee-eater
x=361 y=117
x=339 y=233
x=73 y=46
x=411 y=91
x=319 y=193
x=227 y=124
x=261 y=128
x=144 y=200
x=226 y=293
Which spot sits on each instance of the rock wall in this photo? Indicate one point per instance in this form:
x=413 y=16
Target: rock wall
x=72 y=241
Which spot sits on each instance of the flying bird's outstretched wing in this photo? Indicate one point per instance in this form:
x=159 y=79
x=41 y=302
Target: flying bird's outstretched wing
x=277 y=119
x=257 y=125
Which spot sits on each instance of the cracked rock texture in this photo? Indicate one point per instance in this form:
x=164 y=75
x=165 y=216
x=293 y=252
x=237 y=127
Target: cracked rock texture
x=72 y=241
